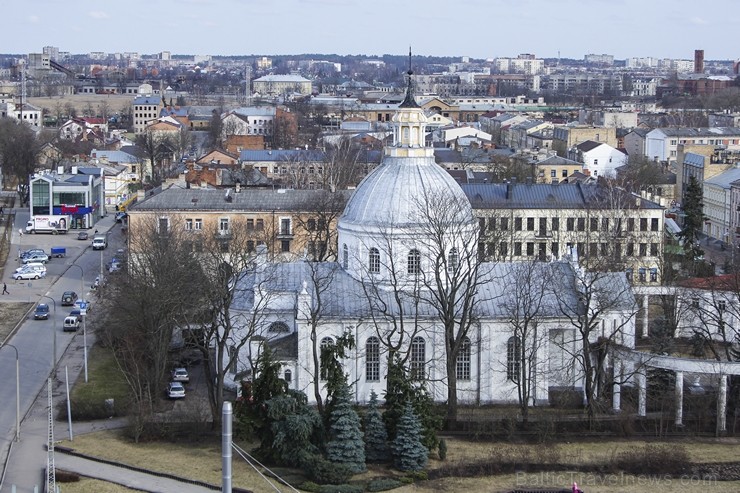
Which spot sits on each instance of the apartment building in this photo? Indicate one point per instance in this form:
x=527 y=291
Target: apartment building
x=146 y=109
x=604 y=228
x=291 y=224
x=662 y=143
x=568 y=136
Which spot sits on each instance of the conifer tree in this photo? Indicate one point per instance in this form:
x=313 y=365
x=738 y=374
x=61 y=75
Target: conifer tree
x=409 y=452
x=345 y=445
x=376 y=436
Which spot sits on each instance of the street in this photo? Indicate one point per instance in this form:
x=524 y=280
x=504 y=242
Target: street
x=35 y=339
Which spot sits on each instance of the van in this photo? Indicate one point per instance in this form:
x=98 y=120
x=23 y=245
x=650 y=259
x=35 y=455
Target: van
x=71 y=324
x=100 y=243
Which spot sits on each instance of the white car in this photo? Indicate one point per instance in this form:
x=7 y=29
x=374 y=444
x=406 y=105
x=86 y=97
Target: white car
x=175 y=390
x=37 y=266
x=28 y=274
x=180 y=375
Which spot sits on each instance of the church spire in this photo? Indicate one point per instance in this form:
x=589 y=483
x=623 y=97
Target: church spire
x=409 y=101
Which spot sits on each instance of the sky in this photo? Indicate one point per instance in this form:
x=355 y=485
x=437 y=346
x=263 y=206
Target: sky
x=474 y=28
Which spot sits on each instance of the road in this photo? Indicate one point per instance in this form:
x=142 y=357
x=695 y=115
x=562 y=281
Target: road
x=34 y=339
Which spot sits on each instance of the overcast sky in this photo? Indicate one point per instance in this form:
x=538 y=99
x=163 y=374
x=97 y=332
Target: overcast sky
x=475 y=28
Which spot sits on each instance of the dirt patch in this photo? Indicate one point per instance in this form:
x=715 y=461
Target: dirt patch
x=11 y=312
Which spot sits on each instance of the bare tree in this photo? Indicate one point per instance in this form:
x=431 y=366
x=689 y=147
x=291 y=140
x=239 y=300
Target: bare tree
x=232 y=272
x=147 y=302
x=319 y=224
x=19 y=150
x=340 y=167
x=526 y=303
x=156 y=146
x=449 y=236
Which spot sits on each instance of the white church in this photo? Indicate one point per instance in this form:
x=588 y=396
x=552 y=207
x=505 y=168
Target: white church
x=407 y=233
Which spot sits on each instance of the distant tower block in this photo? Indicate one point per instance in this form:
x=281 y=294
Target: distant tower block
x=699 y=61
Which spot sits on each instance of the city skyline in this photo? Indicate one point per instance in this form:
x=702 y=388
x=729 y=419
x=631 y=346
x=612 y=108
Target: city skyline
x=488 y=29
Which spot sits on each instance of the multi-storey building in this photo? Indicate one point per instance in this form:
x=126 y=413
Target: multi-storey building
x=278 y=85
x=662 y=143
x=146 y=109
x=566 y=137
x=603 y=228
x=290 y=223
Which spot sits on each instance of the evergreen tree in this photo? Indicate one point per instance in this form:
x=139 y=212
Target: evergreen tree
x=409 y=452
x=402 y=390
x=296 y=428
x=376 y=437
x=345 y=445
x=693 y=208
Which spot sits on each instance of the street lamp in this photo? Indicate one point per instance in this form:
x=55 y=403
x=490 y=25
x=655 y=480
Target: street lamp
x=17 y=393
x=84 y=317
x=54 y=322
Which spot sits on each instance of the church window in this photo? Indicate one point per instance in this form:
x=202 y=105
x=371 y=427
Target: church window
x=233 y=357
x=326 y=343
x=288 y=376
x=463 y=360
x=372 y=360
x=278 y=327
x=513 y=353
x=414 y=262
x=345 y=257
x=374 y=261
x=418 y=358
x=452 y=260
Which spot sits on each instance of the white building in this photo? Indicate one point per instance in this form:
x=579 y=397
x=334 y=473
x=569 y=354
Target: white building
x=379 y=291
x=662 y=143
x=598 y=159
x=717 y=199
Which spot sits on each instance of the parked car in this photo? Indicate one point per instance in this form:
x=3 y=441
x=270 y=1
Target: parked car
x=175 y=390
x=36 y=257
x=180 y=375
x=41 y=312
x=69 y=298
x=121 y=216
x=37 y=266
x=71 y=324
x=82 y=235
x=75 y=312
x=28 y=274
x=115 y=265
x=32 y=251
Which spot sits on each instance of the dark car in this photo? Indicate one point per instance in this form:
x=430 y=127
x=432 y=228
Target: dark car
x=41 y=312
x=121 y=216
x=82 y=235
x=69 y=298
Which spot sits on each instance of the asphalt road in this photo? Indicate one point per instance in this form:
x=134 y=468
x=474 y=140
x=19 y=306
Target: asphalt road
x=34 y=339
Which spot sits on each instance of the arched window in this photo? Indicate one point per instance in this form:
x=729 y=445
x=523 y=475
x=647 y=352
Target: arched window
x=326 y=343
x=345 y=257
x=414 y=262
x=278 y=327
x=233 y=357
x=288 y=376
x=374 y=261
x=452 y=260
x=463 y=360
x=372 y=360
x=418 y=358
x=513 y=357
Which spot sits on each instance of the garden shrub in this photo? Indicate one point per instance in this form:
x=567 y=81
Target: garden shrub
x=442 y=449
x=323 y=471
x=310 y=487
x=341 y=488
x=383 y=484
x=655 y=459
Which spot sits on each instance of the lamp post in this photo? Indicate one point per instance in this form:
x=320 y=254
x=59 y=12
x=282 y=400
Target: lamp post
x=17 y=393
x=54 y=322
x=84 y=317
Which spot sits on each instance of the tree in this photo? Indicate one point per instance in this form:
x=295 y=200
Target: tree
x=156 y=146
x=215 y=131
x=345 y=445
x=409 y=452
x=296 y=426
x=376 y=437
x=526 y=304
x=693 y=208
x=140 y=329
x=340 y=167
x=231 y=270
x=449 y=236
x=19 y=149
x=319 y=224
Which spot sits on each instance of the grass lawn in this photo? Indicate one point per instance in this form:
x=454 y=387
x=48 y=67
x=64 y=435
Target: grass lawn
x=202 y=461
x=108 y=382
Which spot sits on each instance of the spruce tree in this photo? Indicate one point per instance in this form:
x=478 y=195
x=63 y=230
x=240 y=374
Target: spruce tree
x=345 y=445
x=693 y=208
x=376 y=437
x=409 y=452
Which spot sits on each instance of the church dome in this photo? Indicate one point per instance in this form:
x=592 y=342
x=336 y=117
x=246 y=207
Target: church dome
x=394 y=194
